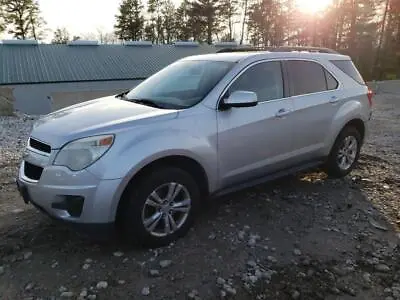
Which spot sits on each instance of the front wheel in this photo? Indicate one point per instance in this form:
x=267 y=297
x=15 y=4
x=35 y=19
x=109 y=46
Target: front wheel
x=345 y=153
x=160 y=207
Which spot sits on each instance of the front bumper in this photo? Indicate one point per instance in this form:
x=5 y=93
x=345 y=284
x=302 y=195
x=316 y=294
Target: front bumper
x=58 y=186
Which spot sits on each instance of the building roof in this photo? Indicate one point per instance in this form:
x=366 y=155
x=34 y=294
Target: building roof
x=50 y=63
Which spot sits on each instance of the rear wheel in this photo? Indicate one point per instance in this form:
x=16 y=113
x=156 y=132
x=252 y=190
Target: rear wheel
x=345 y=153
x=160 y=207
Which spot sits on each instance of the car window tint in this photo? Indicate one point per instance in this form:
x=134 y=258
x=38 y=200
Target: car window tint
x=306 y=76
x=348 y=67
x=265 y=79
x=331 y=81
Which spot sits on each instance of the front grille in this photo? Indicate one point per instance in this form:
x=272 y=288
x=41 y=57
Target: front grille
x=38 y=145
x=32 y=172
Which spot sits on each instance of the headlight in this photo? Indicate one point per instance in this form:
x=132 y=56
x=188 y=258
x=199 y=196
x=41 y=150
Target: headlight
x=79 y=154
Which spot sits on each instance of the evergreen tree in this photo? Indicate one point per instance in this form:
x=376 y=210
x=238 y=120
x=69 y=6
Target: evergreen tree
x=23 y=19
x=265 y=23
x=129 y=22
x=204 y=14
x=168 y=16
x=182 y=21
x=2 y=16
x=154 y=9
x=61 y=36
x=149 y=32
x=228 y=13
x=388 y=62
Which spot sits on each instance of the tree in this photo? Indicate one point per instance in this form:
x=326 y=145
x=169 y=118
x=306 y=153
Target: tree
x=61 y=36
x=266 y=23
x=204 y=14
x=388 y=63
x=130 y=22
x=149 y=32
x=182 y=21
x=2 y=16
x=244 y=20
x=367 y=30
x=154 y=9
x=23 y=18
x=168 y=16
x=227 y=14
x=105 y=37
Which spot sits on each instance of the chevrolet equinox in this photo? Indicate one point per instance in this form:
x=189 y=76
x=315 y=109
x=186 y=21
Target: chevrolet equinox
x=143 y=161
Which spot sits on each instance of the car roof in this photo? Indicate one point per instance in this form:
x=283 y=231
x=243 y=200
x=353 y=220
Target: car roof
x=256 y=55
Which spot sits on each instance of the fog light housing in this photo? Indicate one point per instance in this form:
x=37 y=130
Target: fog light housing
x=71 y=204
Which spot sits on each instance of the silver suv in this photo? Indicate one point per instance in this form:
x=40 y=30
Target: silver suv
x=144 y=160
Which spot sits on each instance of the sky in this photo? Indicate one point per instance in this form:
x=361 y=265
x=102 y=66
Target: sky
x=80 y=16
x=83 y=17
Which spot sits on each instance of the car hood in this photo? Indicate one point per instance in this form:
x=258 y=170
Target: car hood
x=99 y=116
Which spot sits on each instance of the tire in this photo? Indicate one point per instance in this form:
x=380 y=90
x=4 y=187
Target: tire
x=335 y=166
x=148 y=198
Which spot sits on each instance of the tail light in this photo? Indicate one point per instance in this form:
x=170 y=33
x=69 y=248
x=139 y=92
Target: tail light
x=370 y=94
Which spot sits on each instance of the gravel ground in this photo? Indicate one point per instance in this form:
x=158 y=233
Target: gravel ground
x=301 y=237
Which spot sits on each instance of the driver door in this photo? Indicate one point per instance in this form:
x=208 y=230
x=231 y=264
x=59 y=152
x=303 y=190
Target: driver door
x=255 y=141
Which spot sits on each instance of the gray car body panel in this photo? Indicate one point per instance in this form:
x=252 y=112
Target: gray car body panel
x=231 y=146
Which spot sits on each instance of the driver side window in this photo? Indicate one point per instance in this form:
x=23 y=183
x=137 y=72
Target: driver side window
x=264 y=79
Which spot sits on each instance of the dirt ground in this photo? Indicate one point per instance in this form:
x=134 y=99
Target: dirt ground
x=300 y=237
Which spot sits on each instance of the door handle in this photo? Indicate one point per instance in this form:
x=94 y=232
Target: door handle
x=282 y=112
x=334 y=99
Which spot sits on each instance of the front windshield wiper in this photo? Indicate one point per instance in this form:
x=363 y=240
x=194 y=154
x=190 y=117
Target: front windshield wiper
x=147 y=102
x=122 y=95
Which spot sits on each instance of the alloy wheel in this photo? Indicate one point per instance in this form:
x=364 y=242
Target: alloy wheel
x=347 y=153
x=166 y=209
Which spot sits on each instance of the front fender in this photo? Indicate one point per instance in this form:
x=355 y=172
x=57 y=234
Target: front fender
x=131 y=156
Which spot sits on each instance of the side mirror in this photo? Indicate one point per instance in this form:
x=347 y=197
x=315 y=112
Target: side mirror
x=241 y=99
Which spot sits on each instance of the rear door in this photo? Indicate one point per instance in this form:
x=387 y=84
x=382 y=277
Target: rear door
x=316 y=99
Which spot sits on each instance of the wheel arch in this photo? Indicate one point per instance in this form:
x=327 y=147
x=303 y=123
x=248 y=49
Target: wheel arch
x=356 y=123
x=185 y=163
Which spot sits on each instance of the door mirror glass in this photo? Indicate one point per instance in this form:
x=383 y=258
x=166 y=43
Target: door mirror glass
x=241 y=99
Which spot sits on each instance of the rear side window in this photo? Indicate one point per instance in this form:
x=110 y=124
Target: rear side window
x=350 y=69
x=307 y=77
x=331 y=82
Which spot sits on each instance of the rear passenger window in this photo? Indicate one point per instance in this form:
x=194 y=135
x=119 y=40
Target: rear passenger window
x=307 y=77
x=265 y=79
x=348 y=67
x=331 y=82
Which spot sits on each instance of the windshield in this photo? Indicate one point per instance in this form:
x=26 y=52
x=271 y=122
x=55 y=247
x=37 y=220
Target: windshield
x=180 y=85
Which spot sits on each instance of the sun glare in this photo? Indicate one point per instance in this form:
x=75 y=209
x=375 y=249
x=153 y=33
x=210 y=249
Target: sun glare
x=313 y=6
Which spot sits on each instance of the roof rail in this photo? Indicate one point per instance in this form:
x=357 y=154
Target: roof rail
x=279 y=49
